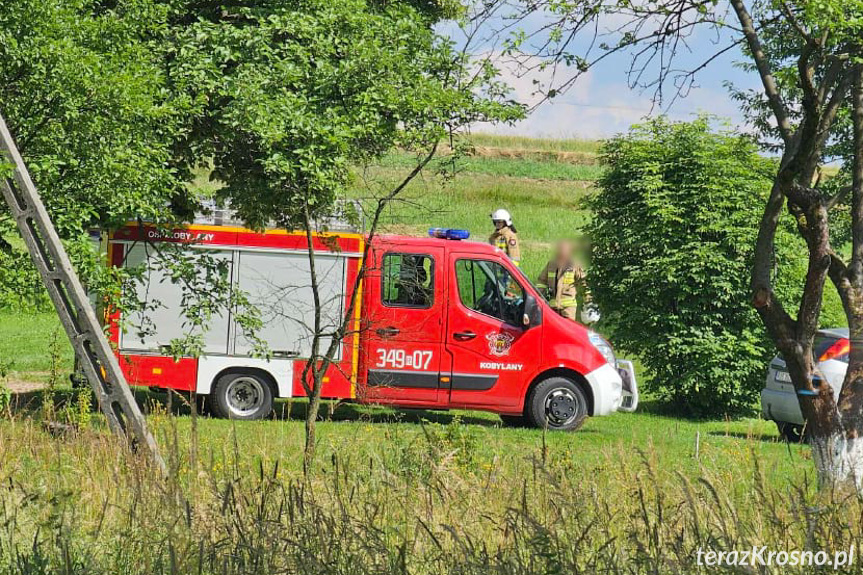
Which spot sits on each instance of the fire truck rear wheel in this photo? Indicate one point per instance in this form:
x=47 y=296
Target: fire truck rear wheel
x=241 y=396
x=559 y=403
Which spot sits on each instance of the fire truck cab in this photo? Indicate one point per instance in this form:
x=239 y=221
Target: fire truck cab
x=438 y=324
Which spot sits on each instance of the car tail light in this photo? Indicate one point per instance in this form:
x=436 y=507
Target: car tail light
x=839 y=348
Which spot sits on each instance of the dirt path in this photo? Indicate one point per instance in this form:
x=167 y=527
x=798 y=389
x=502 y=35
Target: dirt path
x=20 y=386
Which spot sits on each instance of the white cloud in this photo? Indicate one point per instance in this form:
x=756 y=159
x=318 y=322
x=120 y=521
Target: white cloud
x=595 y=106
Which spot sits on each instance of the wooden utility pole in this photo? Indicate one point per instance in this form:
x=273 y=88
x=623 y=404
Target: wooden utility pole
x=92 y=349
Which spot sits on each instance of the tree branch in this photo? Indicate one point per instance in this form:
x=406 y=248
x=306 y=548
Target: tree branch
x=777 y=320
x=857 y=177
x=763 y=66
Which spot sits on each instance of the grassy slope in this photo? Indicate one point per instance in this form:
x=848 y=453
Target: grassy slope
x=541 y=182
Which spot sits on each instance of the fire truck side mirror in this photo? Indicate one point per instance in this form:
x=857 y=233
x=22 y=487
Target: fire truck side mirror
x=532 y=312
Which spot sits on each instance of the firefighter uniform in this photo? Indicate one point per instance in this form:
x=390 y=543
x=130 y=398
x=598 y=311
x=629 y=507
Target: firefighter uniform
x=507 y=240
x=562 y=283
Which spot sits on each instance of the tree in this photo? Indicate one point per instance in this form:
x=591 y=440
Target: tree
x=673 y=229
x=807 y=55
x=296 y=93
x=84 y=93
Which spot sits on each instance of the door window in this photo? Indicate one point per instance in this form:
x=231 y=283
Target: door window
x=489 y=288
x=408 y=280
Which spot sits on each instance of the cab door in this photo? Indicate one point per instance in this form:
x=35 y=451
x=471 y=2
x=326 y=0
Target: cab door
x=492 y=351
x=405 y=303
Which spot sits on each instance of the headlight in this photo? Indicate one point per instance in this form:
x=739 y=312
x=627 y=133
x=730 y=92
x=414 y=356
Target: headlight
x=603 y=346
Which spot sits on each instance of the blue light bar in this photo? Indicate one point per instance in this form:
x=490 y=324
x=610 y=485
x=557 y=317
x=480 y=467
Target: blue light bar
x=448 y=234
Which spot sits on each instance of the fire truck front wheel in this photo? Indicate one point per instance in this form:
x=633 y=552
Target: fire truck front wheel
x=241 y=396
x=559 y=403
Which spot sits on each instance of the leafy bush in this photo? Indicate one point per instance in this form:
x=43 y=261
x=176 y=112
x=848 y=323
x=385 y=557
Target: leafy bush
x=674 y=226
x=20 y=286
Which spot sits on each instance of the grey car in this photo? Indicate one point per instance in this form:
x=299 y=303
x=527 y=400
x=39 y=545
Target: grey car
x=778 y=399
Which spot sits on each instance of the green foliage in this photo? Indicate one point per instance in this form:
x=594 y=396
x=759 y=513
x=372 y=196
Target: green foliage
x=78 y=410
x=5 y=399
x=20 y=286
x=85 y=97
x=295 y=93
x=673 y=233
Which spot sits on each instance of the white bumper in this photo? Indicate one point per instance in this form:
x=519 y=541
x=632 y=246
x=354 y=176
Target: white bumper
x=606 y=387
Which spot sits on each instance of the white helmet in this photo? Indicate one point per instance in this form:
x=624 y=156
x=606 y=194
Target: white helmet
x=501 y=215
x=589 y=314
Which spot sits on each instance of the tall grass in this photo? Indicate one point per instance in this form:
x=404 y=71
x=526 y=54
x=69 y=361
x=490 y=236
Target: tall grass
x=419 y=503
x=537 y=144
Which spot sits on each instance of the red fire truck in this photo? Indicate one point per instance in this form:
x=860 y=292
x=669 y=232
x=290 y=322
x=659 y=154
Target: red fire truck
x=440 y=324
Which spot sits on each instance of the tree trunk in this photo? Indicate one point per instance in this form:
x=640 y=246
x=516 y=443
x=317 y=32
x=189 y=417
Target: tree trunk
x=317 y=372
x=839 y=461
x=832 y=455
x=838 y=450
x=311 y=438
x=839 y=454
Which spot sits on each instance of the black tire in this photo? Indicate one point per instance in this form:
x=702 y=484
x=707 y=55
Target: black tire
x=559 y=403
x=790 y=432
x=241 y=396
x=514 y=420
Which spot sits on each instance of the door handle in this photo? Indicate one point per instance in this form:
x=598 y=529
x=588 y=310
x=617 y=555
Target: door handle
x=285 y=353
x=387 y=331
x=464 y=335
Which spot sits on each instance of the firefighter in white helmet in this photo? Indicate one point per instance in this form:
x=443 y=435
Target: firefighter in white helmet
x=505 y=236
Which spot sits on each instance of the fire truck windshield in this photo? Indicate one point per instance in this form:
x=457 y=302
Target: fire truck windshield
x=489 y=288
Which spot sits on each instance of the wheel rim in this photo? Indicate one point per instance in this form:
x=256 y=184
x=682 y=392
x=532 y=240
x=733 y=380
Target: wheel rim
x=244 y=396
x=561 y=407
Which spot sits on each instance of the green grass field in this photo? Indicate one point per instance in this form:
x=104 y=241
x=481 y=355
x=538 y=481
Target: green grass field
x=26 y=343
x=403 y=491
x=408 y=492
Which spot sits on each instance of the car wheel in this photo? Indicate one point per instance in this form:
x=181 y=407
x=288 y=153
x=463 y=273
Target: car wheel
x=241 y=396
x=514 y=420
x=559 y=403
x=790 y=432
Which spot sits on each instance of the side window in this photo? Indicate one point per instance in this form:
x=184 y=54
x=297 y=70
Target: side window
x=408 y=280
x=487 y=287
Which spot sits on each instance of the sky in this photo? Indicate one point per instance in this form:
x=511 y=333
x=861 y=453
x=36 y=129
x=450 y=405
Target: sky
x=601 y=103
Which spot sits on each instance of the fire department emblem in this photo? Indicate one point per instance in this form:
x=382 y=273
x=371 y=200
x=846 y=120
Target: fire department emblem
x=499 y=343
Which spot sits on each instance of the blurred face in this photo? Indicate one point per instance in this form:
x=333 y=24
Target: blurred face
x=563 y=251
x=499 y=224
